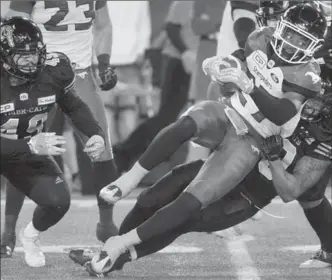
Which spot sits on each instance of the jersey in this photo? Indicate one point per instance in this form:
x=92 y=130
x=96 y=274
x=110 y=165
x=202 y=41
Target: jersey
x=273 y=78
x=25 y=108
x=67 y=28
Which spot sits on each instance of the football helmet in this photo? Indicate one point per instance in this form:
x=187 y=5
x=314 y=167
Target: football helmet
x=299 y=33
x=20 y=39
x=269 y=12
x=318 y=112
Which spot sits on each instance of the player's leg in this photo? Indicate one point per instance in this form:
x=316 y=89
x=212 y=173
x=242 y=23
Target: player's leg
x=104 y=170
x=14 y=203
x=148 y=202
x=47 y=188
x=318 y=212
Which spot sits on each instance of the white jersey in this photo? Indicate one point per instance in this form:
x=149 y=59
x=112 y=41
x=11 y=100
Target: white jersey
x=67 y=28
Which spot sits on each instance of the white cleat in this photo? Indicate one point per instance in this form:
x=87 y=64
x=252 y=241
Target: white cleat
x=320 y=259
x=33 y=255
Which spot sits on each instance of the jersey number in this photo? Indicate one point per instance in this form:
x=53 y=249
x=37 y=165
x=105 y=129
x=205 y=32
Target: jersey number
x=36 y=125
x=53 y=24
x=290 y=149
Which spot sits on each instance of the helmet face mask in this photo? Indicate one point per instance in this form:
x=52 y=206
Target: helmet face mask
x=269 y=12
x=23 y=52
x=299 y=34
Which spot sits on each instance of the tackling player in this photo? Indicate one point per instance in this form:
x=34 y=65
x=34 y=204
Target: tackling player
x=71 y=27
x=300 y=168
x=32 y=82
x=239 y=153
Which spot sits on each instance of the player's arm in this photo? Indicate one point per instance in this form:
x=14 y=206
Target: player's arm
x=20 y=8
x=243 y=13
x=102 y=33
x=306 y=174
x=79 y=112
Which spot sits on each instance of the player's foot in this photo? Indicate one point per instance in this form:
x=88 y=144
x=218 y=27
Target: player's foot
x=320 y=259
x=8 y=241
x=105 y=231
x=34 y=257
x=83 y=256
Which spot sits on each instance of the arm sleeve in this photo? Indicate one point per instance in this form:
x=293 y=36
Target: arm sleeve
x=80 y=114
x=278 y=111
x=22 y=6
x=242 y=28
x=14 y=148
x=173 y=32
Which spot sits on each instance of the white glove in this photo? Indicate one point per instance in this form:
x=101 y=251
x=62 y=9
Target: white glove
x=46 y=143
x=94 y=147
x=211 y=67
x=188 y=59
x=238 y=77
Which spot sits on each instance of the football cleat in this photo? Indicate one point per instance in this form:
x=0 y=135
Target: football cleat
x=111 y=193
x=8 y=242
x=320 y=259
x=105 y=231
x=33 y=255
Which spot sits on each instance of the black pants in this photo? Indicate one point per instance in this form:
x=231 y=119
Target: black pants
x=174 y=96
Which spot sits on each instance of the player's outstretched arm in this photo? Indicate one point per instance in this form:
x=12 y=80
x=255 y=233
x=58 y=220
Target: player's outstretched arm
x=20 y=9
x=306 y=174
x=164 y=145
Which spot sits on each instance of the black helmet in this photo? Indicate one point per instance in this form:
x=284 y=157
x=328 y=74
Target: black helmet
x=303 y=20
x=270 y=11
x=20 y=37
x=318 y=112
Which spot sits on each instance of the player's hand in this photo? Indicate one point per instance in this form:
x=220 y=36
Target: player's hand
x=95 y=146
x=188 y=59
x=271 y=147
x=211 y=67
x=46 y=143
x=238 y=77
x=107 y=74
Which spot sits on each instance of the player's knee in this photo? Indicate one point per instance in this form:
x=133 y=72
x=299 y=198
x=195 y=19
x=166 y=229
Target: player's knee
x=309 y=204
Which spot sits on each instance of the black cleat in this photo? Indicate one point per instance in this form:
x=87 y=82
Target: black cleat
x=8 y=242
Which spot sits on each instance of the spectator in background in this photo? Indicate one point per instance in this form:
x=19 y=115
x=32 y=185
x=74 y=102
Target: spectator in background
x=178 y=61
x=131 y=38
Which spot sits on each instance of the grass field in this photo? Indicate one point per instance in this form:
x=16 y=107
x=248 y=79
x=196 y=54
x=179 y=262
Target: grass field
x=267 y=249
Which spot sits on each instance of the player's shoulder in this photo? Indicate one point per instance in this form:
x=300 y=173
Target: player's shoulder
x=259 y=40
x=59 y=67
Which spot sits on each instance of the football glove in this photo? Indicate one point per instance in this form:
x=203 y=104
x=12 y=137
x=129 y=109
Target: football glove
x=107 y=74
x=271 y=147
x=238 y=77
x=47 y=143
x=95 y=146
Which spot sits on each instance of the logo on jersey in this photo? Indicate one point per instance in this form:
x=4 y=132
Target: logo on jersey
x=46 y=100
x=24 y=96
x=259 y=60
x=315 y=78
x=275 y=78
x=7 y=108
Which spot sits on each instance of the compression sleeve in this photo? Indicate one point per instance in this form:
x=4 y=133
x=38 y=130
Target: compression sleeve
x=80 y=114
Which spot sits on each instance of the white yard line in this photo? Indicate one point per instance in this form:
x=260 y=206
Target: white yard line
x=240 y=257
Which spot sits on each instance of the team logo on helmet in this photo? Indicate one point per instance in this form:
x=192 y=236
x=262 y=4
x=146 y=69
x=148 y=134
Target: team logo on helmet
x=7 y=35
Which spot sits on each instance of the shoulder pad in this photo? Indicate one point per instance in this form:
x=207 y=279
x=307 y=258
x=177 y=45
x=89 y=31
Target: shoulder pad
x=60 y=68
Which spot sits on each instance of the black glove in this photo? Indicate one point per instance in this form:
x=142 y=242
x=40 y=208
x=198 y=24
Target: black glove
x=271 y=147
x=106 y=73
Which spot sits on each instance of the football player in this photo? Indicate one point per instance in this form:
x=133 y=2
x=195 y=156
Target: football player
x=298 y=167
x=32 y=82
x=71 y=27
x=239 y=151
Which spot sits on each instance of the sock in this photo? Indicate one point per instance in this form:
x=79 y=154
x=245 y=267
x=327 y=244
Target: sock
x=320 y=219
x=131 y=238
x=104 y=172
x=14 y=203
x=169 y=217
x=30 y=230
x=128 y=181
x=133 y=253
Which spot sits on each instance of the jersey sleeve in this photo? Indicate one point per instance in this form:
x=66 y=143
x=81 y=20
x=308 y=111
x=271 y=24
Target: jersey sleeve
x=319 y=150
x=60 y=69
